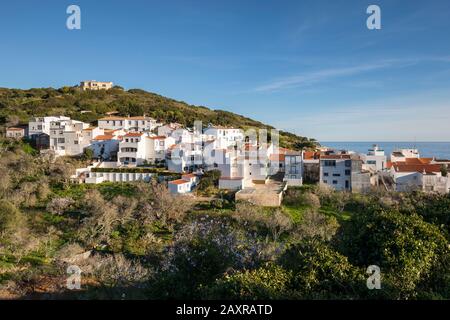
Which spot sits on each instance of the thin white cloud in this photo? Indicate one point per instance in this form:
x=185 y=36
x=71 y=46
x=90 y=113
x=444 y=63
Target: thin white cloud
x=309 y=78
x=313 y=77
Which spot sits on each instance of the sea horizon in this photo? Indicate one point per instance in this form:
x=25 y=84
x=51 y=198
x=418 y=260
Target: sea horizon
x=427 y=149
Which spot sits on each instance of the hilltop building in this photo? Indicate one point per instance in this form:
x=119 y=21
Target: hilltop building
x=95 y=85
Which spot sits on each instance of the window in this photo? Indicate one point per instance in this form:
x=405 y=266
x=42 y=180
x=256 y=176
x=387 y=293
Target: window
x=61 y=140
x=325 y=181
x=348 y=163
x=348 y=172
x=371 y=162
x=329 y=163
x=126 y=140
x=325 y=174
x=347 y=184
x=75 y=142
x=335 y=182
x=336 y=174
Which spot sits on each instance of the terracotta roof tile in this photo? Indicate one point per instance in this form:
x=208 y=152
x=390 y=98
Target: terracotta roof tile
x=104 y=137
x=179 y=181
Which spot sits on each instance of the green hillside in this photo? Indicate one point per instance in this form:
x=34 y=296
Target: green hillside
x=20 y=105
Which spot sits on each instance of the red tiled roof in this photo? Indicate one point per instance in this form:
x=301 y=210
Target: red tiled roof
x=15 y=129
x=133 y=134
x=428 y=168
x=418 y=160
x=179 y=181
x=311 y=155
x=158 y=137
x=188 y=175
x=104 y=137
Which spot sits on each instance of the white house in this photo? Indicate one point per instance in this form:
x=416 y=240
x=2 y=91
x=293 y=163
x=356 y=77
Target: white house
x=40 y=125
x=184 y=185
x=157 y=147
x=184 y=157
x=106 y=146
x=167 y=129
x=137 y=124
x=71 y=137
x=15 y=132
x=375 y=159
x=132 y=149
x=95 y=85
x=402 y=154
x=336 y=171
x=424 y=176
x=225 y=136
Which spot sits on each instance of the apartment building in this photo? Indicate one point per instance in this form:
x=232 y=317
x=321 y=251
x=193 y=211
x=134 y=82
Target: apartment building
x=167 y=129
x=133 y=149
x=137 y=124
x=95 y=85
x=336 y=171
x=184 y=157
x=225 y=136
x=293 y=168
x=375 y=159
x=71 y=137
x=158 y=146
x=40 y=125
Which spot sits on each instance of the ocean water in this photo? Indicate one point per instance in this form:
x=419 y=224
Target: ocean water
x=438 y=150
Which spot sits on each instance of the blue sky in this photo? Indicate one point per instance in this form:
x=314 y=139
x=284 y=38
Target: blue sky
x=310 y=67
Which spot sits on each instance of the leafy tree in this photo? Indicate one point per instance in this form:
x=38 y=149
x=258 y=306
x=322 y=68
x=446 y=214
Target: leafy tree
x=209 y=180
x=405 y=247
x=265 y=283
x=319 y=272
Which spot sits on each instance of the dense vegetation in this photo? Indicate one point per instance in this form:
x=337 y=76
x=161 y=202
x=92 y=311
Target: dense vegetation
x=19 y=105
x=137 y=241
